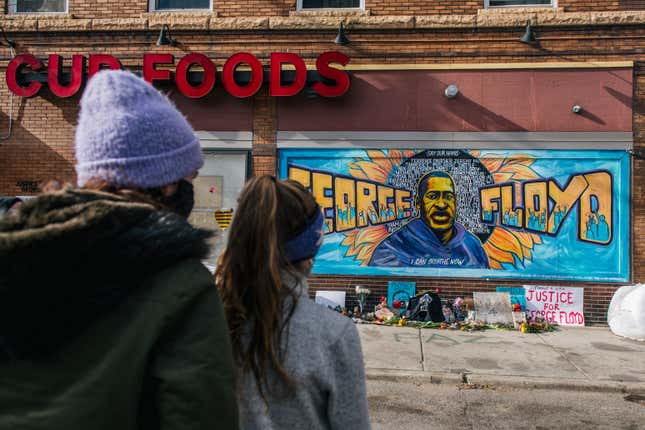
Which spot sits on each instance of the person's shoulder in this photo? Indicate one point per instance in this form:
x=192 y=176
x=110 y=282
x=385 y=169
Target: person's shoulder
x=327 y=324
x=180 y=281
x=403 y=233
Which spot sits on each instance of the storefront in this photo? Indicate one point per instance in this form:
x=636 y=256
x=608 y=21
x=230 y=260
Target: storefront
x=462 y=175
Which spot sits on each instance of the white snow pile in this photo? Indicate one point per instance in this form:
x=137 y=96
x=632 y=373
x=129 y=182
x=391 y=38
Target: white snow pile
x=626 y=314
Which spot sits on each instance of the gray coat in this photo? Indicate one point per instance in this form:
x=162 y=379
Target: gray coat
x=324 y=356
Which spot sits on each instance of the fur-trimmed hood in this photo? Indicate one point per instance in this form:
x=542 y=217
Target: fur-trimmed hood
x=67 y=257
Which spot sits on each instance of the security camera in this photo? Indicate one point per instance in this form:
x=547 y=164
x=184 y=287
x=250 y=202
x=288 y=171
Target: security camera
x=451 y=91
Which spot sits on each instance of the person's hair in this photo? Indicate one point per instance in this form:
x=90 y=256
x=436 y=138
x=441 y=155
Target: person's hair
x=269 y=213
x=152 y=196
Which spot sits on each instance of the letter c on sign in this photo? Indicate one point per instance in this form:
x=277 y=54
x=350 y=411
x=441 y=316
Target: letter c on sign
x=228 y=73
x=12 y=75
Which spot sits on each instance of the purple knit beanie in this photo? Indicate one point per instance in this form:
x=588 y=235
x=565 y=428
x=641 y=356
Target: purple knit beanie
x=130 y=135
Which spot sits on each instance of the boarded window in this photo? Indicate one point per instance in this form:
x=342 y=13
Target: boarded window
x=182 y=4
x=329 y=4
x=502 y=3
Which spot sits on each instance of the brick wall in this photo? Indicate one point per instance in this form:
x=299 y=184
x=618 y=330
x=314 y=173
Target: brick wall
x=107 y=8
x=638 y=175
x=421 y=7
x=264 y=133
x=41 y=146
x=263 y=8
x=235 y=8
x=588 y=5
x=596 y=296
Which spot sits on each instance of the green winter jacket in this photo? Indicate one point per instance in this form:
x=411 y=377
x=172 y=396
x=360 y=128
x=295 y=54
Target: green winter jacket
x=108 y=320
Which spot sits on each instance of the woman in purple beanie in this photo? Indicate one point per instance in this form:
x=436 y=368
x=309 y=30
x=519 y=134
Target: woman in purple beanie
x=108 y=320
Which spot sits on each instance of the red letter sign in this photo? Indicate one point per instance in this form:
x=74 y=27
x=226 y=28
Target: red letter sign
x=229 y=70
x=55 y=67
x=151 y=74
x=277 y=59
x=340 y=76
x=12 y=75
x=98 y=60
x=181 y=76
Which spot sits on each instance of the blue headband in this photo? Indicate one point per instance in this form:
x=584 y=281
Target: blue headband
x=307 y=243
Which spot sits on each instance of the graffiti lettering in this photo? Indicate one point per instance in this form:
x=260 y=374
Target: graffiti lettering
x=545 y=205
x=28 y=186
x=348 y=203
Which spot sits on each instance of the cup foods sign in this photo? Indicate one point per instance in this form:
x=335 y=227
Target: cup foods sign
x=333 y=81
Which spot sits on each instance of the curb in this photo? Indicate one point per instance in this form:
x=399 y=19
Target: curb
x=394 y=375
x=492 y=381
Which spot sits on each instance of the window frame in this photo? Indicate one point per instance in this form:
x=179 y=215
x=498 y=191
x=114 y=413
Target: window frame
x=553 y=5
x=152 y=8
x=12 y=9
x=300 y=8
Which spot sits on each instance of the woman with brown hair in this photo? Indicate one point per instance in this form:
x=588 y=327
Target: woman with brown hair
x=301 y=364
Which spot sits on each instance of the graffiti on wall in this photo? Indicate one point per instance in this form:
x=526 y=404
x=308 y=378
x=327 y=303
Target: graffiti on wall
x=533 y=214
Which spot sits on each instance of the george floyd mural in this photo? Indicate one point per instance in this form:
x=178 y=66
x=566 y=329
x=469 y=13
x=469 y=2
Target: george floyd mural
x=542 y=214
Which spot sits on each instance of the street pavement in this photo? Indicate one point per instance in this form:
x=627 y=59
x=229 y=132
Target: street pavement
x=589 y=359
x=409 y=405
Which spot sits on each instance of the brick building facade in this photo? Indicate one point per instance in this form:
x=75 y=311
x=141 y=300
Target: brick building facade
x=390 y=37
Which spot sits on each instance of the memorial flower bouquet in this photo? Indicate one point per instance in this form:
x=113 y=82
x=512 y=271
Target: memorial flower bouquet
x=361 y=294
x=536 y=326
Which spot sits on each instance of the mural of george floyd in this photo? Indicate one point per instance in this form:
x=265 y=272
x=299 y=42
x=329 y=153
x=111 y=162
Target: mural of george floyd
x=470 y=213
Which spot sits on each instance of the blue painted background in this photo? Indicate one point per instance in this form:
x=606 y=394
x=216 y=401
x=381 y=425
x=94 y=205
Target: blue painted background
x=563 y=257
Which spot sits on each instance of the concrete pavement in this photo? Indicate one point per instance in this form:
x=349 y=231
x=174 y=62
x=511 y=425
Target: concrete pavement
x=590 y=359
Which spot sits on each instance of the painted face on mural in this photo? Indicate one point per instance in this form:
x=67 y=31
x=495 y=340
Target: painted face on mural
x=439 y=202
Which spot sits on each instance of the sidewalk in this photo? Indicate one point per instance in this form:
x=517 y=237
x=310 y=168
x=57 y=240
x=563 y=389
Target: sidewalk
x=571 y=358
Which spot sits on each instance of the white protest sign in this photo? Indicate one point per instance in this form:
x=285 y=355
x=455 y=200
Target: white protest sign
x=559 y=305
x=493 y=308
x=331 y=298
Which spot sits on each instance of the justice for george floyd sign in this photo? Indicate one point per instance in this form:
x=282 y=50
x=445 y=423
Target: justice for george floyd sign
x=559 y=305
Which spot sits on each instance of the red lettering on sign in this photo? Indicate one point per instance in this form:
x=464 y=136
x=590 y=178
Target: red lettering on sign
x=54 y=70
x=98 y=60
x=181 y=76
x=340 y=76
x=334 y=82
x=14 y=67
x=275 y=87
x=150 y=73
x=572 y=318
x=228 y=79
